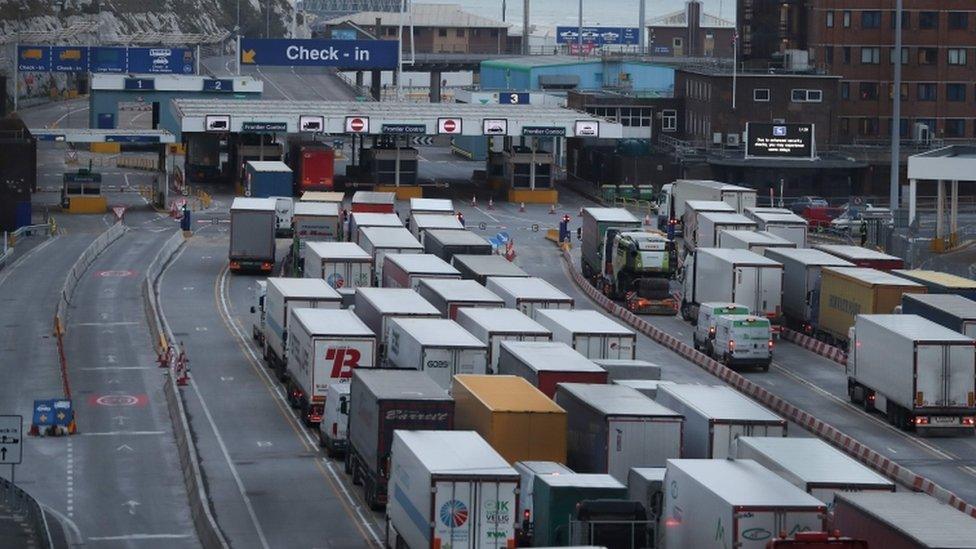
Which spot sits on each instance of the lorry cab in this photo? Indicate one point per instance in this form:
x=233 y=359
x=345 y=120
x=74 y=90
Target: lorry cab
x=665 y=215
x=335 y=420
x=284 y=210
x=257 y=312
x=742 y=340
x=707 y=313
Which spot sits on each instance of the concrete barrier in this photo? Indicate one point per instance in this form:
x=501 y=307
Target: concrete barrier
x=815 y=346
x=137 y=163
x=81 y=265
x=804 y=419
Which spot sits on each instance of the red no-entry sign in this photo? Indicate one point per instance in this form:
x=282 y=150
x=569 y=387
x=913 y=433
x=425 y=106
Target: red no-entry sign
x=357 y=124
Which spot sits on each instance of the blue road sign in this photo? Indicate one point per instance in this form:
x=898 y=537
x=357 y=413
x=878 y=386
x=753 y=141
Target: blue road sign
x=161 y=60
x=600 y=36
x=139 y=84
x=64 y=413
x=219 y=86
x=33 y=58
x=350 y=54
x=106 y=59
x=513 y=98
x=69 y=59
x=43 y=413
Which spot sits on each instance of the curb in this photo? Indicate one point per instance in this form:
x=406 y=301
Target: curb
x=815 y=346
x=804 y=419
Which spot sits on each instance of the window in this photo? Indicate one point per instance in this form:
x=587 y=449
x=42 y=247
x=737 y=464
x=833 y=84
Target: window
x=829 y=55
x=868 y=91
x=870 y=19
x=955 y=127
x=906 y=19
x=904 y=56
x=928 y=56
x=760 y=95
x=635 y=117
x=955 y=92
x=847 y=19
x=806 y=96
x=669 y=120
x=927 y=122
x=390 y=31
x=867 y=126
x=677 y=42
x=442 y=32
x=870 y=56
x=903 y=128
x=928 y=19
x=847 y=55
x=957 y=56
x=845 y=90
x=830 y=19
x=494 y=33
x=904 y=91
x=958 y=20
x=460 y=33
x=845 y=126
x=926 y=92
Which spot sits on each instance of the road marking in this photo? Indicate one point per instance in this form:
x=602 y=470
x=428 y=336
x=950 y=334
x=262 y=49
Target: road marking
x=65 y=115
x=106 y=324
x=132 y=504
x=488 y=215
x=136 y=537
x=13 y=266
x=70 y=480
x=106 y=368
x=121 y=433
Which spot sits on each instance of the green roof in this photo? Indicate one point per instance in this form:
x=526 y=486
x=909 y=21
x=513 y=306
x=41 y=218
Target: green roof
x=535 y=61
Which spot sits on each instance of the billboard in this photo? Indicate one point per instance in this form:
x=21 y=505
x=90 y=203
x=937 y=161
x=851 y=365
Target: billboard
x=104 y=59
x=348 y=54
x=780 y=141
x=599 y=36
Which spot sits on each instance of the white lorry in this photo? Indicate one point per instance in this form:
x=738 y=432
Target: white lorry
x=673 y=196
x=437 y=346
x=781 y=222
x=710 y=224
x=590 y=333
x=252 y=235
x=801 y=283
x=754 y=241
x=343 y=265
x=315 y=222
x=379 y=241
x=449 y=295
x=376 y=306
x=283 y=295
x=407 y=270
x=918 y=373
x=325 y=346
x=449 y=489
x=258 y=313
x=492 y=326
x=421 y=223
x=360 y=220
x=732 y=276
x=694 y=208
x=528 y=294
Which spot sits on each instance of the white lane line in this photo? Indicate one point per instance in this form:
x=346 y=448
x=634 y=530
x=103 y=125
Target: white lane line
x=223 y=447
x=65 y=115
x=112 y=368
x=121 y=433
x=137 y=537
x=488 y=215
x=13 y=266
x=105 y=324
x=276 y=86
x=225 y=311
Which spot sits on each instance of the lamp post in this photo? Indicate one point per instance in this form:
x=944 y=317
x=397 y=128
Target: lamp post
x=896 y=111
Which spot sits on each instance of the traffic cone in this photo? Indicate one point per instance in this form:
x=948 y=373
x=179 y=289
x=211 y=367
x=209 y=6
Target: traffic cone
x=491 y=203
x=521 y=206
x=474 y=201
x=552 y=209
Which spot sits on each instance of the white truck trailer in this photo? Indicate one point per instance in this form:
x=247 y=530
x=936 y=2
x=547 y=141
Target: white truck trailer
x=437 y=346
x=407 y=270
x=492 y=326
x=674 y=196
x=801 y=283
x=732 y=276
x=421 y=223
x=694 y=208
x=449 y=295
x=315 y=222
x=783 y=223
x=376 y=306
x=252 y=234
x=380 y=241
x=592 y=334
x=528 y=294
x=360 y=220
x=711 y=224
x=283 y=295
x=754 y=241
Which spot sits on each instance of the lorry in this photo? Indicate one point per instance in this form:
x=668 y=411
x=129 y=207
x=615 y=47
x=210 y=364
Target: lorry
x=646 y=387
x=383 y=401
x=625 y=368
x=719 y=503
x=343 y=265
x=592 y=334
x=360 y=220
x=436 y=346
x=528 y=472
x=611 y=523
x=596 y=221
x=646 y=485
x=450 y=489
x=407 y=270
x=494 y=325
x=613 y=428
x=266 y=178
x=555 y=498
x=902 y=520
x=673 y=197
x=546 y=364
x=258 y=314
x=283 y=295
x=863 y=257
x=252 y=235
x=812 y=465
x=325 y=346
x=802 y=268
x=449 y=295
x=334 y=197
x=640 y=266
x=514 y=417
x=333 y=429
x=379 y=241
x=444 y=243
x=528 y=294
x=740 y=340
x=846 y=292
x=284 y=211
x=705 y=325
x=421 y=223
x=313 y=165
x=711 y=224
x=373 y=202
x=480 y=267
x=755 y=241
x=952 y=311
x=315 y=222
x=732 y=276
x=694 y=208
x=940 y=283
x=715 y=416
x=437 y=206
x=920 y=374
x=376 y=306
x=782 y=223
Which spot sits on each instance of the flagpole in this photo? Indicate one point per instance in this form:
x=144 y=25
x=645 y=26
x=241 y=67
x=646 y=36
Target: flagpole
x=735 y=63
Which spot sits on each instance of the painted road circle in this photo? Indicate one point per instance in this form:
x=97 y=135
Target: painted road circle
x=117 y=400
x=115 y=274
x=357 y=124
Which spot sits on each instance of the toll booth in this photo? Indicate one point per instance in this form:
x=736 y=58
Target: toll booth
x=526 y=172
x=81 y=193
x=390 y=164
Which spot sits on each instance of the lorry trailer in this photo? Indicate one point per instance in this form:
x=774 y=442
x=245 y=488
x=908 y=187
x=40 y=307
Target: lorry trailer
x=624 y=368
x=379 y=241
x=783 y=223
x=801 y=283
x=407 y=270
x=732 y=276
x=315 y=222
x=252 y=234
x=494 y=325
x=755 y=241
x=710 y=224
x=373 y=202
x=556 y=497
x=863 y=257
x=940 y=283
x=449 y=295
x=281 y=296
x=674 y=196
x=528 y=472
x=528 y=294
x=436 y=346
x=546 y=364
x=596 y=221
x=592 y=334
x=263 y=179
x=376 y=306
x=694 y=208
x=332 y=431
x=421 y=223
x=445 y=243
x=437 y=206
x=313 y=165
x=360 y=220
x=903 y=520
x=846 y=292
x=480 y=267
x=952 y=311
x=343 y=265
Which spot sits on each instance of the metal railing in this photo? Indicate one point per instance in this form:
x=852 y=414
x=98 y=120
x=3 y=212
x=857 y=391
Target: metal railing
x=10 y=239
x=22 y=504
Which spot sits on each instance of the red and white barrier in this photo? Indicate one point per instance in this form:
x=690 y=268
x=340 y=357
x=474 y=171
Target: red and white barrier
x=814 y=345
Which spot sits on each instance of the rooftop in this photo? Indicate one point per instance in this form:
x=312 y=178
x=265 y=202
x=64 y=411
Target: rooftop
x=679 y=18
x=423 y=15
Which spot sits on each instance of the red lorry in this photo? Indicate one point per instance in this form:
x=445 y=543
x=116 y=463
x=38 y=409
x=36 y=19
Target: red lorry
x=313 y=165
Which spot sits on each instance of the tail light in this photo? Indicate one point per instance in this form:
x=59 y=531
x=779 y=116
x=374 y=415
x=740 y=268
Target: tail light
x=510 y=543
x=266 y=266
x=921 y=420
x=234 y=265
x=770 y=344
x=969 y=421
x=526 y=515
x=731 y=345
x=871 y=397
x=711 y=331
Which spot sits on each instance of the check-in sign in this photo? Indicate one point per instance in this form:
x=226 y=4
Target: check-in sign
x=349 y=54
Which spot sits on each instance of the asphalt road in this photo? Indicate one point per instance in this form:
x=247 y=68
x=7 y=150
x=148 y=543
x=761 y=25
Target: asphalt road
x=289 y=83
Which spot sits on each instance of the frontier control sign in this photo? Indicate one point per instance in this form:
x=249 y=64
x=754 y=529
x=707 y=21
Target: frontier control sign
x=348 y=54
x=780 y=141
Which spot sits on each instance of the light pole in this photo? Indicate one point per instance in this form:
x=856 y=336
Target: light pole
x=579 y=37
x=896 y=112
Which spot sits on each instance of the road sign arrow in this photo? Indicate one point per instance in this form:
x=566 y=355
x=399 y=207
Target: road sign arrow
x=132 y=504
x=3 y=454
x=124 y=447
x=247 y=56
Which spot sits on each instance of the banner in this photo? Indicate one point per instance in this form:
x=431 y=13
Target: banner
x=348 y=54
x=599 y=36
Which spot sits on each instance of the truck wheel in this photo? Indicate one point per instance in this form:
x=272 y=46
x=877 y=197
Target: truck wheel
x=685 y=313
x=347 y=463
x=357 y=478
x=329 y=450
x=371 y=498
x=853 y=393
x=765 y=367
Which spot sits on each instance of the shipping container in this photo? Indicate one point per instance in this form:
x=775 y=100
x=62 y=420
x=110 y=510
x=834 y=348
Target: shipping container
x=421 y=223
x=812 y=465
x=324 y=347
x=450 y=489
x=437 y=346
x=379 y=241
x=613 y=428
x=265 y=178
x=863 y=257
x=359 y=221
x=940 y=283
x=528 y=472
x=313 y=165
x=444 y=243
x=591 y=333
x=903 y=520
x=801 y=283
x=782 y=223
x=343 y=265
x=754 y=241
x=315 y=222
x=376 y=306
x=694 y=208
x=555 y=498
x=528 y=294
x=732 y=276
x=710 y=224
x=282 y=295
x=647 y=387
x=252 y=234
x=407 y=270
x=952 y=311
x=449 y=295
x=514 y=417
x=646 y=485
x=625 y=368
x=334 y=197
x=717 y=503
x=383 y=401
x=480 y=267
x=437 y=206
x=846 y=292
x=492 y=326
x=715 y=416
x=373 y=202
x=547 y=364
x=920 y=374
x=596 y=221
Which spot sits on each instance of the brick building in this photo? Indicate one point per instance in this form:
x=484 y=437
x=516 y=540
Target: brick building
x=855 y=39
x=691 y=33
x=770 y=28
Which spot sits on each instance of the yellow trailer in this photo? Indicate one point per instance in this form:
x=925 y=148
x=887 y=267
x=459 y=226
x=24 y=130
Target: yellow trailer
x=846 y=292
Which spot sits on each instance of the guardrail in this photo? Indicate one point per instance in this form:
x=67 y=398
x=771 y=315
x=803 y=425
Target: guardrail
x=21 y=504
x=10 y=239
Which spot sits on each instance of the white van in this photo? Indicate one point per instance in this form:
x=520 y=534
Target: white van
x=742 y=340
x=707 y=312
x=284 y=210
x=333 y=428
